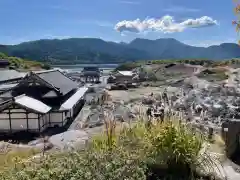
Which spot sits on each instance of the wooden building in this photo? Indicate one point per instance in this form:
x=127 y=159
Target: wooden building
x=4 y=63
x=10 y=76
x=122 y=77
x=40 y=100
x=90 y=74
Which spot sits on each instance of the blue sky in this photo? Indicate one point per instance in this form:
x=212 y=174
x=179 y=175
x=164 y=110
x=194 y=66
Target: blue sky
x=200 y=23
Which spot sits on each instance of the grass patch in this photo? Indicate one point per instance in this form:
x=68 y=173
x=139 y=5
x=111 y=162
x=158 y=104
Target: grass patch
x=167 y=150
x=215 y=74
x=12 y=156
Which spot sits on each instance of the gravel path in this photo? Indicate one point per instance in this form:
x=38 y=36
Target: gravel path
x=231 y=174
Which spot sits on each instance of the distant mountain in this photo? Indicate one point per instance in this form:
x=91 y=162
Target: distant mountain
x=92 y=50
x=172 y=49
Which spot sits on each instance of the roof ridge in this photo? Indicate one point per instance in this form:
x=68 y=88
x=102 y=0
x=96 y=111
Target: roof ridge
x=55 y=88
x=65 y=75
x=53 y=70
x=45 y=71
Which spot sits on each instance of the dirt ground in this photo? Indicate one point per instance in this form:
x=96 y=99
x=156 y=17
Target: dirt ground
x=137 y=93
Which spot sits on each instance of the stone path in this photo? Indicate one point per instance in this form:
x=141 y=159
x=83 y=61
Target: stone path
x=231 y=174
x=224 y=170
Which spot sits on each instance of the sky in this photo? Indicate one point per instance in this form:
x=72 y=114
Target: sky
x=198 y=23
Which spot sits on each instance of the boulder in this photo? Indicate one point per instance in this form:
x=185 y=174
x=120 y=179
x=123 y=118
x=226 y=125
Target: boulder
x=179 y=105
x=44 y=146
x=72 y=139
x=36 y=142
x=148 y=100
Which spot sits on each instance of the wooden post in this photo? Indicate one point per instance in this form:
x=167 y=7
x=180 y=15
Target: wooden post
x=62 y=118
x=27 y=121
x=49 y=119
x=10 y=120
x=210 y=133
x=39 y=128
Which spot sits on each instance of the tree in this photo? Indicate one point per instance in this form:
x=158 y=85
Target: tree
x=46 y=66
x=237 y=12
x=2 y=55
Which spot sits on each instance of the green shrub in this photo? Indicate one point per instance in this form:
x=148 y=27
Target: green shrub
x=136 y=153
x=46 y=66
x=216 y=74
x=20 y=63
x=175 y=149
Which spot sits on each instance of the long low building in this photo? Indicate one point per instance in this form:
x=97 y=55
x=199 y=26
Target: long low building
x=39 y=101
x=11 y=76
x=122 y=77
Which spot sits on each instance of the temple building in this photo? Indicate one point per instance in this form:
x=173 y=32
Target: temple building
x=40 y=100
x=8 y=76
x=90 y=74
x=4 y=63
x=122 y=77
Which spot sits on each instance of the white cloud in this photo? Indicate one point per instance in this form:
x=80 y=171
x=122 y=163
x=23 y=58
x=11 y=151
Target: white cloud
x=166 y=24
x=130 y=2
x=179 y=9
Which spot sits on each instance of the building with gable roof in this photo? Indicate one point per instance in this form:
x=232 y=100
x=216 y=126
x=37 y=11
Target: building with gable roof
x=40 y=100
x=122 y=77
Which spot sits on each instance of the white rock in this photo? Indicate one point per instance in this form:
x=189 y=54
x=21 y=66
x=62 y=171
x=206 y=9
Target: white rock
x=75 y=139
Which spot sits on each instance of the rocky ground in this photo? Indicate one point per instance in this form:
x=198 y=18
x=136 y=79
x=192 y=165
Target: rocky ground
x=189 y=94
x=206 y=96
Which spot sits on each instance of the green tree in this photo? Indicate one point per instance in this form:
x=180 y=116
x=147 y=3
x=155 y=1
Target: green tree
x=2 y=55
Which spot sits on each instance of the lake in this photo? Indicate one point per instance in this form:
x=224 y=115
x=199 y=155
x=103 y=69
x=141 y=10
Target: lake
x=79 y=67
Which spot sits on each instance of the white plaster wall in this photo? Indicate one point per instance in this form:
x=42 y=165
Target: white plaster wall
x=33 y=124
x=65 y=116
x=69 y=113
x=18 y=115
x=44 y=119
x=4 y=116
x=56 y=117
x=4 y=124
x=19 y=124
x=41 y=122
x=18 y=110
x=32 y=115
x=6 y=111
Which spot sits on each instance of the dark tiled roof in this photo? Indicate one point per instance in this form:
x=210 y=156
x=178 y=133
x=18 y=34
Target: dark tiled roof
x=4 y=62
x=4 y=87
x=91 y=73
x=91 y=68
x=6 y=95
x=58 y=80
x=6 y=75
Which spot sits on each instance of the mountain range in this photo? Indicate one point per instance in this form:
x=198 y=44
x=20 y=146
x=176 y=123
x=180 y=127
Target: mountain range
x=93 y=50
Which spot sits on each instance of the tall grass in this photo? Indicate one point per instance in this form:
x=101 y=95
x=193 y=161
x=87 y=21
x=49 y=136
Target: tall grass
x=163 y=151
